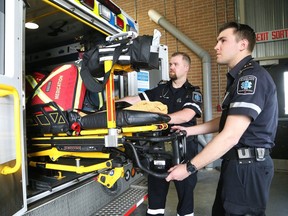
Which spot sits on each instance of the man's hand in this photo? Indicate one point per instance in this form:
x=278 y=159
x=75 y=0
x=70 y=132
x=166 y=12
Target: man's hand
x=178 y=128
x=178 y=172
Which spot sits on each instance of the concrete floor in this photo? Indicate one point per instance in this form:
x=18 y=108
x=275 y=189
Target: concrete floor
x=205 y=192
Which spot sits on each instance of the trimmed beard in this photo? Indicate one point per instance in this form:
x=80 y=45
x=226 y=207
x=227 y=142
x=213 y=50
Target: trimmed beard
x=173 y=76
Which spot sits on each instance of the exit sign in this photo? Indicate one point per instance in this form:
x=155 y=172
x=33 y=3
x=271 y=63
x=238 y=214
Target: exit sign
x=275 y=35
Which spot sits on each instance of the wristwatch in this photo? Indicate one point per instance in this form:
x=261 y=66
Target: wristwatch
x=191 y=169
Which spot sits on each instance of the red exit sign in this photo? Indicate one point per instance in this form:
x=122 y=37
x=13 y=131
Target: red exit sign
x=281 y=34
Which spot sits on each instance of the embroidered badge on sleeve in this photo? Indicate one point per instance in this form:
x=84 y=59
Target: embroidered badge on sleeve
x=246 y=85
x=197 y=97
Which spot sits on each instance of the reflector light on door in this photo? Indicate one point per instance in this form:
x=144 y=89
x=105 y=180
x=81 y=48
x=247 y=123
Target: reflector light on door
x=119 y=22
x=112 y=7
x=104 y=12
x=88 y=3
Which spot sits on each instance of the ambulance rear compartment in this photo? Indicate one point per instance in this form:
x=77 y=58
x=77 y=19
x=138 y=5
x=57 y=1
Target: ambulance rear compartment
x=59 y=40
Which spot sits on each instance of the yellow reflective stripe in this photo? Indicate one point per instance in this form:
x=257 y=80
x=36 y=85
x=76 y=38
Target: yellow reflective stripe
x=78 y=93
x=59 y=70
x=32 y=82
x=39 y=92
x=101 y=101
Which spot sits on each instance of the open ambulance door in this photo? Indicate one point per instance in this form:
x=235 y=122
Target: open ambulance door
x=12 y=159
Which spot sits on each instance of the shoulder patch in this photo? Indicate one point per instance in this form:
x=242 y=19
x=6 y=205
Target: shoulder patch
x=197 y=97
x=246 y=85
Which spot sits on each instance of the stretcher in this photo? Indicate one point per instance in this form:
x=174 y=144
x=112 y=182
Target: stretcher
x=104 y=141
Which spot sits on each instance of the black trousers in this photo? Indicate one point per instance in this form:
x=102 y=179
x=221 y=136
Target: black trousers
x=243 y=189
x=158 y=190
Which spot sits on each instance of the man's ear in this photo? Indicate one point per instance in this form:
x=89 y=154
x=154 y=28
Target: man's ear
x=187 y=67
x=244 y=44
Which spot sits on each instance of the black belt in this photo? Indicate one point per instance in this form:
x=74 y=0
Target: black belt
x=246 y=154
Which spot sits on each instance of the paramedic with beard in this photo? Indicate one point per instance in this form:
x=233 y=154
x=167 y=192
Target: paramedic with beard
x=184 y=105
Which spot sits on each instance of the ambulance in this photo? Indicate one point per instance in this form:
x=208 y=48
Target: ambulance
x=52 y=161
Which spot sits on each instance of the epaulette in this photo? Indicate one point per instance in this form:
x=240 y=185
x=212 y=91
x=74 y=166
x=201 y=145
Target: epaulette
x=162 y=82
x=196 y=88
x=193 y=88
x=247 y=66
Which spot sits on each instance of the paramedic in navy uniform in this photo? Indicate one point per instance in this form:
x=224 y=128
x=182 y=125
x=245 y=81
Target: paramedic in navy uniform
x=247 y=129
x=184 y=105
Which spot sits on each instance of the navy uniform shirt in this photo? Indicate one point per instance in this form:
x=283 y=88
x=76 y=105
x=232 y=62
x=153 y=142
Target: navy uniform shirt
x=187 y=96
x=252 y=92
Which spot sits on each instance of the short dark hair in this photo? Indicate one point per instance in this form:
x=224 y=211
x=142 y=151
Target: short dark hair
x=184 y=55
x=242 y=31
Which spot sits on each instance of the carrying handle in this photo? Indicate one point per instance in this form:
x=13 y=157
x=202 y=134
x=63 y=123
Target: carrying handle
x=129 y=34
x=6 y=90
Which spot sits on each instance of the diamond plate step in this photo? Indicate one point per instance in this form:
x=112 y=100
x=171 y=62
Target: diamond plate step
x=128 y=201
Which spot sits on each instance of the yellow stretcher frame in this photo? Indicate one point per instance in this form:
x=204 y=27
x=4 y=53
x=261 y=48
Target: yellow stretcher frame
x=55 y=154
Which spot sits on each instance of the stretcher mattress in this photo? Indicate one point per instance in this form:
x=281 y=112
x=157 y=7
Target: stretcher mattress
x=123 y=118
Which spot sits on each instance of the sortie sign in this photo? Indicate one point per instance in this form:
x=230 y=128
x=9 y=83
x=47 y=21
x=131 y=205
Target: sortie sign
x=275 y=35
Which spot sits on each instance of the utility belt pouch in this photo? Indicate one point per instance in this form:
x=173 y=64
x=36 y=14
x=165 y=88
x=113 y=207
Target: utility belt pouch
x=247 y=155
x=260 y=154
x=244 y=156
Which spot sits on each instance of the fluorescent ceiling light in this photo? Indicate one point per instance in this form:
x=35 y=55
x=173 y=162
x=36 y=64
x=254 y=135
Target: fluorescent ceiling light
x=31 y=25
